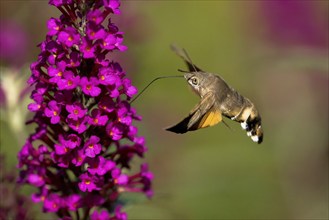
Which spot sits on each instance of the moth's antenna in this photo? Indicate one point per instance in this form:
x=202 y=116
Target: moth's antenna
x=184 y=55
x=190 y=60
x=161 y=77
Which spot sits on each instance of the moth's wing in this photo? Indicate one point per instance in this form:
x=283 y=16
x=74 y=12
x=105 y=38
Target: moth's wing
x=204 y=114
x=183 y=54
x=211 y=118
x=181 y=127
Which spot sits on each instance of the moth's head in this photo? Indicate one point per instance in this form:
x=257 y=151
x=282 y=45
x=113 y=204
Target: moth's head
x=199 y=81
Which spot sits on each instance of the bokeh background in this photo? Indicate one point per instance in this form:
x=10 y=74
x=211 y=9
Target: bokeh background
x=274 y=52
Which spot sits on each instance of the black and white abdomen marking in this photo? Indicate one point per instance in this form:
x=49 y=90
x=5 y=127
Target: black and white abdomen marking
x=251 y=122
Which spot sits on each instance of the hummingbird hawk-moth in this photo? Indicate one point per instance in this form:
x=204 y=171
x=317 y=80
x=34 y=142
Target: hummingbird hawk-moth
x=217 y=99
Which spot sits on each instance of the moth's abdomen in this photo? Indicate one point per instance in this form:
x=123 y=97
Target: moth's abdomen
x=242 y=110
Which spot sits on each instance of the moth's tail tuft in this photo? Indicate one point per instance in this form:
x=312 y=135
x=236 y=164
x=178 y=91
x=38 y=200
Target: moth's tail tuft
x=253 y=126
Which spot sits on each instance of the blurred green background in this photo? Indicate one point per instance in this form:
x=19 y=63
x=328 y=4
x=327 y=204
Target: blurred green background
x=273 y=52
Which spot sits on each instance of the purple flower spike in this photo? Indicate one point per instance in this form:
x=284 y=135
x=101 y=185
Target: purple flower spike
x=68 y=82
x=100 y=166
x=96 y=16
x=76 y=111
x=119 y=42
x=78 y=158
x=59 y=3
x=88 y=183
x=113 y=5
x=78 y=125
x=94 y=32
x=103 y=215
x=83 y=118
x=39 y=197
x=54 y=26
x=53 y=111
x=68 y=37
x=109 y=42
x=34 y=107
x=97 y=118
x=116 y=131
x=87 y=49
x=73 y=202
x=89 y=87
x=130 y=90
x=72 y=141
x=74 y=60
x=60 y=149
x=106 y=104
x=105 y=77
x=56 y=73
x=36 y=180
x=120 y=215
x=92 y=148
x=52 y=203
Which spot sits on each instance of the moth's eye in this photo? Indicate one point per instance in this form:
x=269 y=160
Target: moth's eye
x=194 y=81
